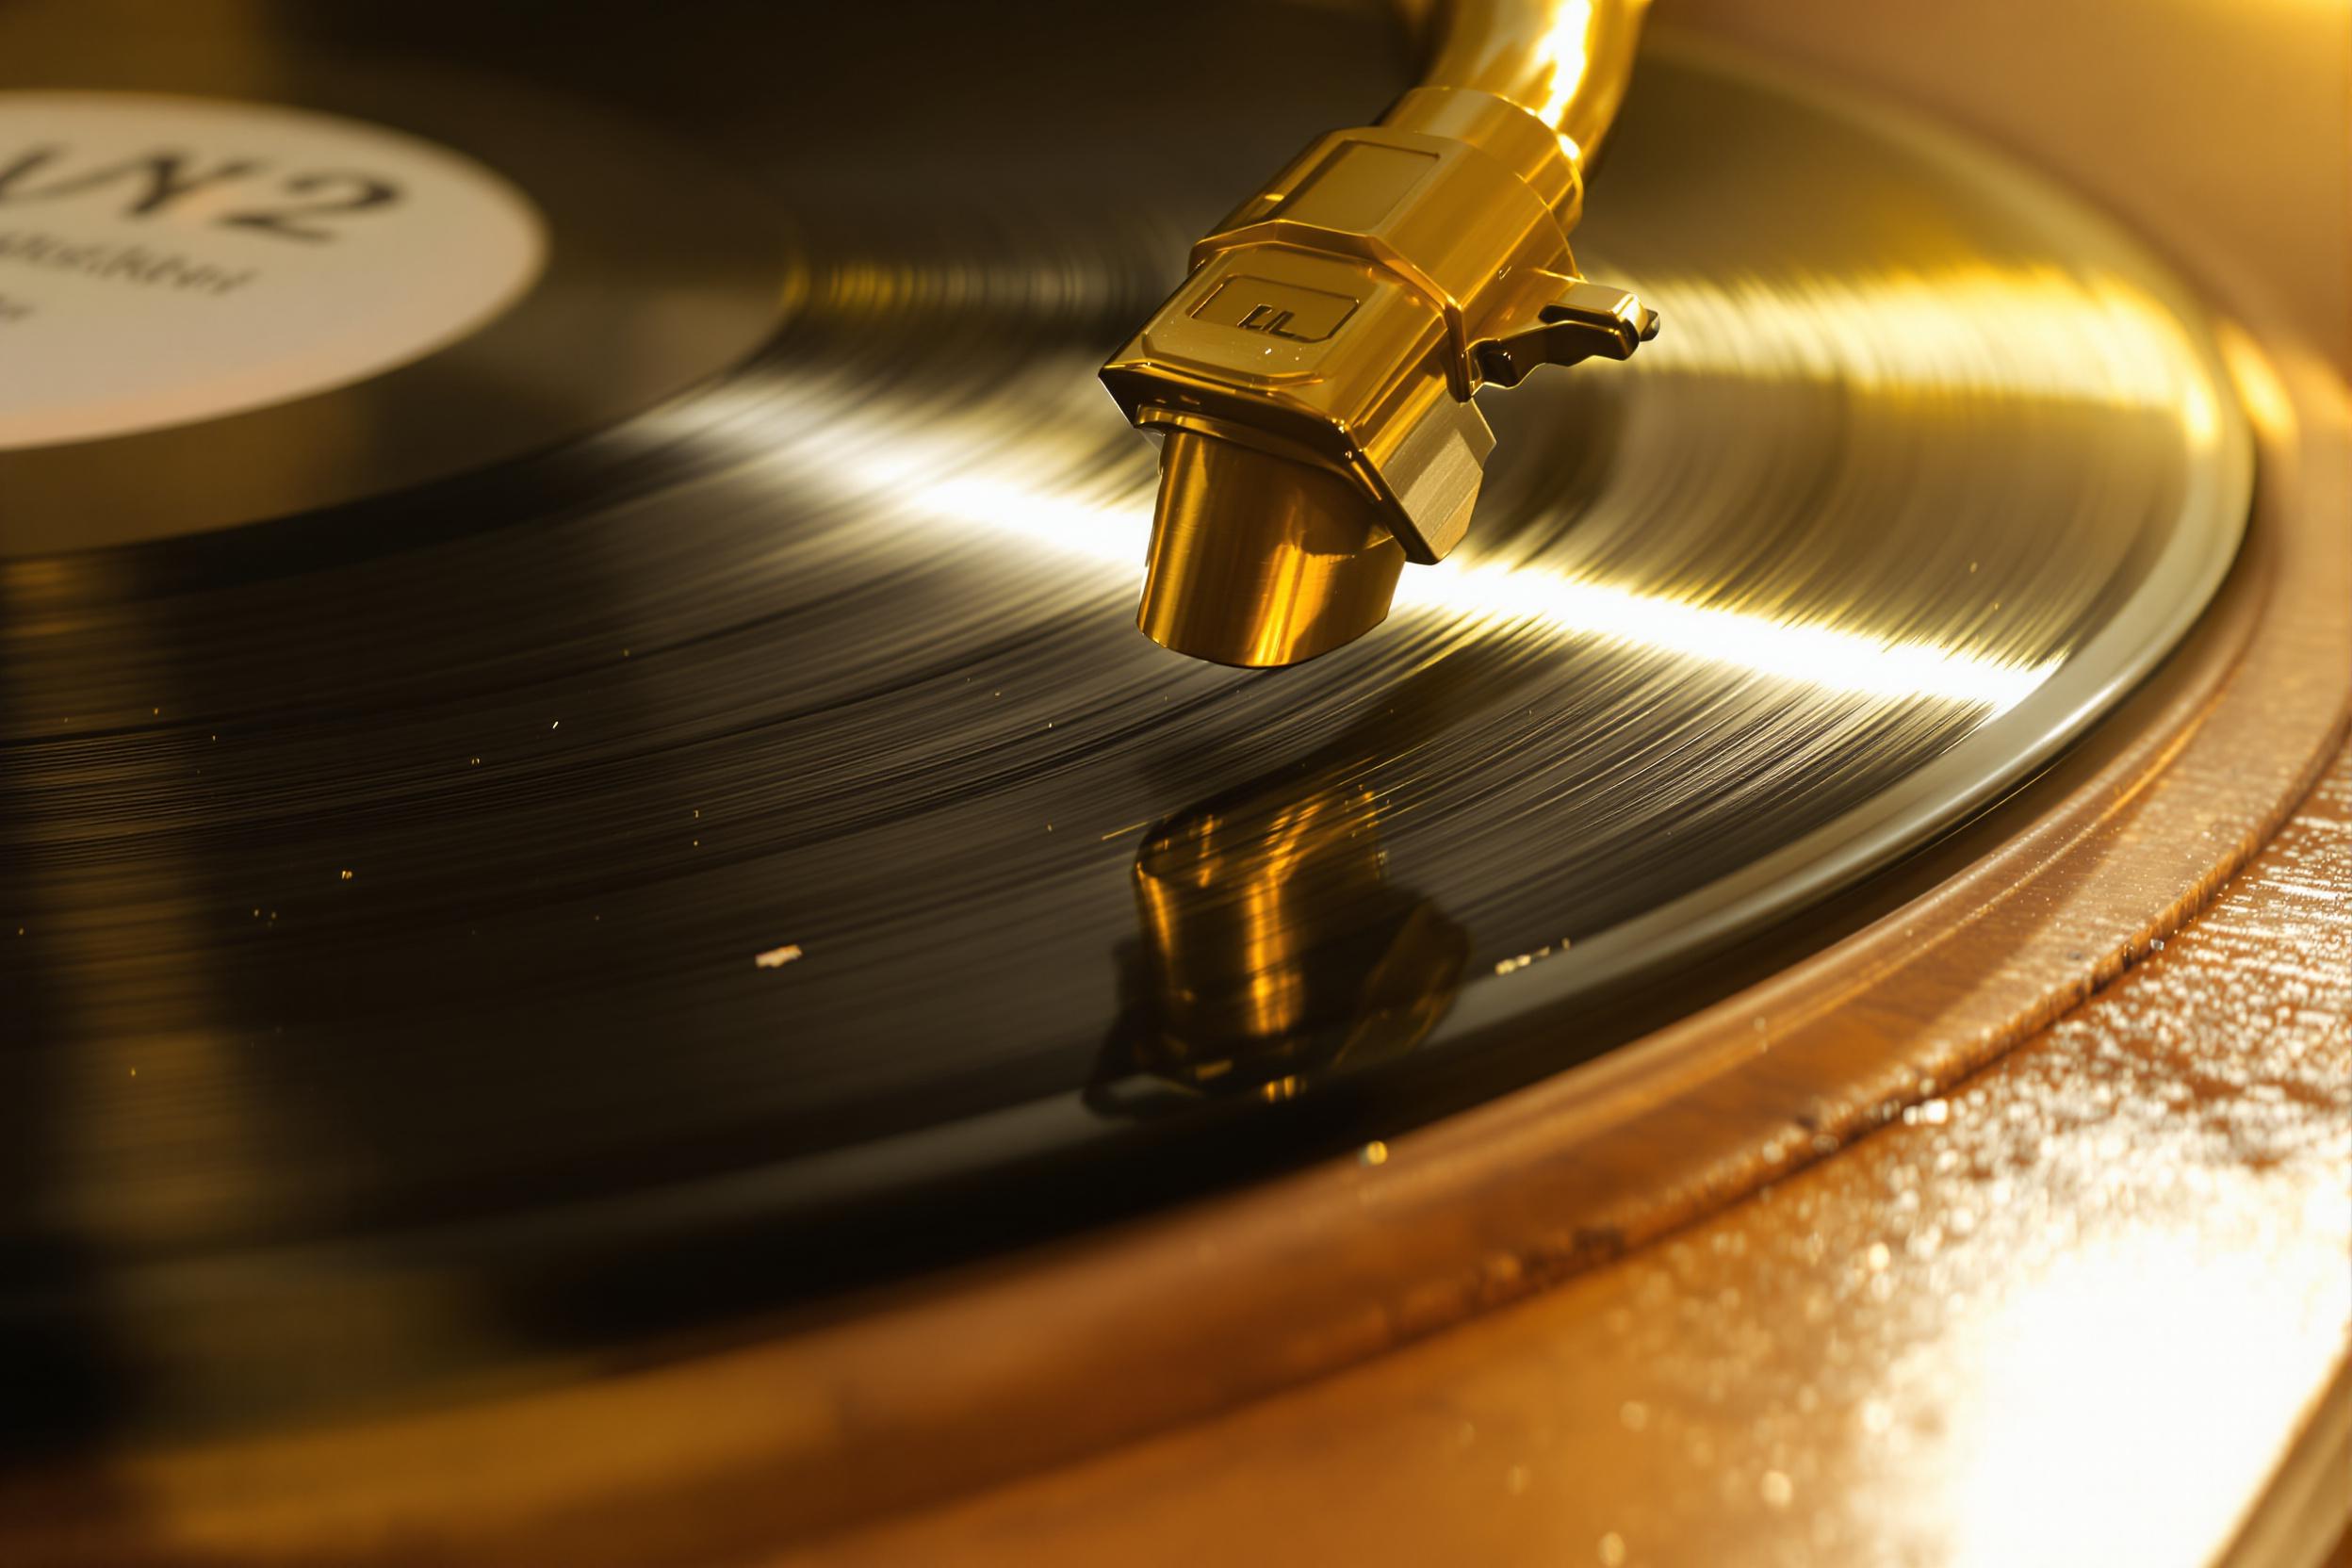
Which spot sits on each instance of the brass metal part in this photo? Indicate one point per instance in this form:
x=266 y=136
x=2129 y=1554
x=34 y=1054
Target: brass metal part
x=1313 y=374
x=1239 y=526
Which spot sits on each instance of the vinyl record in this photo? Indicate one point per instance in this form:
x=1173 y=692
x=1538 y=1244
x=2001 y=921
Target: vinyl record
x=655 y=808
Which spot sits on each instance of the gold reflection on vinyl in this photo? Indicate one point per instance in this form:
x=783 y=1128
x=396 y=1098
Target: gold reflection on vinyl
x=1979 y=336
x=2033 y=332
x=1274 y=950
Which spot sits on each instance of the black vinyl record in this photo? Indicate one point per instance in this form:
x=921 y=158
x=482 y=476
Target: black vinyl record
x=655 y=808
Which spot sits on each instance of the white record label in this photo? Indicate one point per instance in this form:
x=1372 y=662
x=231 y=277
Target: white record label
x=170 y=259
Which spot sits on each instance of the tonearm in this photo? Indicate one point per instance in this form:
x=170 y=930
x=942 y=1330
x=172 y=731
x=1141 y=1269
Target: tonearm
x=1312 y=378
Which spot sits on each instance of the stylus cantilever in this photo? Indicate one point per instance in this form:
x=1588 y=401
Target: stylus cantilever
x=1312 y=377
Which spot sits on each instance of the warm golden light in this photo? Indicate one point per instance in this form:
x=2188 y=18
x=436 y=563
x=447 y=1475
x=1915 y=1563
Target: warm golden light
x=1816 y=655
x=1567 y=58
x=2265 y=397
x=1819 y=656
x=2026 y=333
x=2055 y=1374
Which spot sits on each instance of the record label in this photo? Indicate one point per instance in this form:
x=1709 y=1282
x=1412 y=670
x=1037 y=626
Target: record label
x=169 y=259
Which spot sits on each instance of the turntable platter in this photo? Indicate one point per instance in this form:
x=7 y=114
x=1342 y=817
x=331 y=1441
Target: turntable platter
x=748 y=849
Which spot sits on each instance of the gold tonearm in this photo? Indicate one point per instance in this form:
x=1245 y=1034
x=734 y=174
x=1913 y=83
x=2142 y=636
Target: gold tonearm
x=1312 y=377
